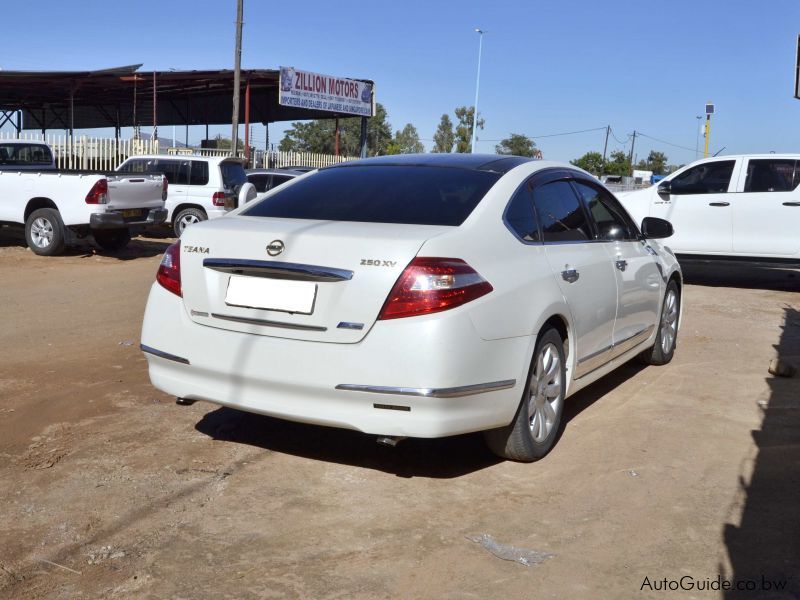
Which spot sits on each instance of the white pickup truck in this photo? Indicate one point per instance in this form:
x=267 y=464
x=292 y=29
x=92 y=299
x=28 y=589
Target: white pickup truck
x=736 y=208
x=56 y=207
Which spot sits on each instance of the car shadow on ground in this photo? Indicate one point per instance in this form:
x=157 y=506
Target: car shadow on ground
x=780 y=279
x=151 y=243
x=443 y=458
x=763 y=537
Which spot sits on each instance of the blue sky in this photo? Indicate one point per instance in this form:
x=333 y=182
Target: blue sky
x=548 y=67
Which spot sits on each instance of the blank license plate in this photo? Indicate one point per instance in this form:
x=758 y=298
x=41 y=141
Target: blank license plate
x=271 y=294
x=131 y=213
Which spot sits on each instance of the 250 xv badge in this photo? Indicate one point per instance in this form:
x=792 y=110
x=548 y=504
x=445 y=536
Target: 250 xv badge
x=374 y=262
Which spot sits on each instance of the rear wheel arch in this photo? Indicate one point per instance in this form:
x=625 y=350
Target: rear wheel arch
x=184 y=206
x=36 y=204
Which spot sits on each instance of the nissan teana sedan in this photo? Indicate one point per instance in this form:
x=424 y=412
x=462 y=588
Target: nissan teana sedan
x=418 y=295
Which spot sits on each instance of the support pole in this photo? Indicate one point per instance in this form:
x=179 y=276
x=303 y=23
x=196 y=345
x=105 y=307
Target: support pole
x=155 y=119
x=336 y=138
x=247 y=122
x=707 y=135
x=630 y=158
x=605 y=149
x=363 y=140
x=237 y=68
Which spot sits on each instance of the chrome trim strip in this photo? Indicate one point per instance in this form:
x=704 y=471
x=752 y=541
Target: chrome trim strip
x=629 y=342
x=268 y=323
x=167 y=355
x=277 y=269
x=594 y=361
x=453 y=392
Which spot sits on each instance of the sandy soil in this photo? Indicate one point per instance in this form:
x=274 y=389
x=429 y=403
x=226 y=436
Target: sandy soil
x=109 y=489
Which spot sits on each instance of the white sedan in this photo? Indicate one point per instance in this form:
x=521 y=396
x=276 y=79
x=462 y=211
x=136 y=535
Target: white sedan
x=418 y=295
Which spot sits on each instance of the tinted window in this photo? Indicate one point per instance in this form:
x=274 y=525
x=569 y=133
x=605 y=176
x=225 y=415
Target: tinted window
x=520 y=217
x=232 y=174
x=25 y=154
x=176 y=171
x=771 y=175
x=381 y=194
x=708 y=178
x=611 y=220
x=279 y=179
x=259 y=180
x=560 y=213
x=138 y=165
x=199 y=173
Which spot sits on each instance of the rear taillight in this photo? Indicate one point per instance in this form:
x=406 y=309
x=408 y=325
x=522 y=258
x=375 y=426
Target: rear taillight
x=430 y=285
x=99 y=193
x=218 y=199
x=169 y=271
x=164 y=188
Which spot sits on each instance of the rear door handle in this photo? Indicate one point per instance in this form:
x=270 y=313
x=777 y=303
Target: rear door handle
x=570 y=275
x=621 y=264
x=719 y=203
x=791 y=203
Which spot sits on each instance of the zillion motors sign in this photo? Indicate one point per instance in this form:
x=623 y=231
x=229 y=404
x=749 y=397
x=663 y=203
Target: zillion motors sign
x=303 y=89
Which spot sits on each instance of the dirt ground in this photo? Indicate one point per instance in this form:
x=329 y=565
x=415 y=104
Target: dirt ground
x=110 y=489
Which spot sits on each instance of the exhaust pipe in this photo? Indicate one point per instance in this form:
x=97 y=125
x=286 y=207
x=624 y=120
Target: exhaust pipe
x=389 y=440
x=184 y=401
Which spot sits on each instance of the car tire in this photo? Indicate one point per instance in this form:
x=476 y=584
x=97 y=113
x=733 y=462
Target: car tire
x=534 y=430
x=112 y=240
x=45 y=233
x=667 y=338
x=186 y=217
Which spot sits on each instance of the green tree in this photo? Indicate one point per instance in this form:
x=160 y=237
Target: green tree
x=591 y=161
x=465 y=117
x=618 y=164
x=657 y=162
x=406 y=142
x=518 y=145
x=225 y=143
x=444 y=138
x=319 y=135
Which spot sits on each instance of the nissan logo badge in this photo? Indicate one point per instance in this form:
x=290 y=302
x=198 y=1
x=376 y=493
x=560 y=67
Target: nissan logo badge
x=275 y=247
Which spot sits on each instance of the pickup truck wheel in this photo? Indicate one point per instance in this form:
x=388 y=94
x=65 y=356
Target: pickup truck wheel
x=666 y=340
x=112 y=240
x=535 y=427
x=186 y=217
x=44 y=232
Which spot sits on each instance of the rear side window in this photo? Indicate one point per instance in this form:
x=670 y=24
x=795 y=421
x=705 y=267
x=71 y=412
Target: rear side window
x=416 y=195
x=261 y=181
x=611 y=219
x=520 y=217
x=708 y=178
x=560 y=213
x=279 y=179
x=199 y=173
x=233 y=174
x=176 y=171
x=25 y=154
x=771 y=175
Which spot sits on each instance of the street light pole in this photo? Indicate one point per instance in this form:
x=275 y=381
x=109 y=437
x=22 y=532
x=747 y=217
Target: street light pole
x=480 y=33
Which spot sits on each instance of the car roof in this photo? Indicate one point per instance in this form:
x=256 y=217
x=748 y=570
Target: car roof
x=477 y=162
x=208 y=159
x=288 y=172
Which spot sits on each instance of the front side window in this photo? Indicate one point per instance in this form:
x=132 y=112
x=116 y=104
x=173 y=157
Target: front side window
x=520 y=216
x=414 y=195
x=708 y=178
x=560 y=213
x=611 y=220
x=771 y=175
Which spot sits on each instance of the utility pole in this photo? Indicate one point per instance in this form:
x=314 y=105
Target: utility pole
x=630 y=158
x=605 y=148
x=237 y=68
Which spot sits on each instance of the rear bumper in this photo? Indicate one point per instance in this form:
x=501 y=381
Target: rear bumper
x=417 y=377
x=116 y=220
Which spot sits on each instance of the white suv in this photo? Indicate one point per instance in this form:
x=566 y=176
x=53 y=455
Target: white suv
x=742 y=207
x=200 y=187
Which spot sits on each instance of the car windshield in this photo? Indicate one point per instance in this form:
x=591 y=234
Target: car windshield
x=414 y=195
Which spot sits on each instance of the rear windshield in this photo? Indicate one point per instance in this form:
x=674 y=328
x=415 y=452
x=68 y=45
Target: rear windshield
x=25 y=154
x=414 y=195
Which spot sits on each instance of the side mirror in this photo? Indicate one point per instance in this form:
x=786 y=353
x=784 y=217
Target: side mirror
x=665 y=188
x=656 y=229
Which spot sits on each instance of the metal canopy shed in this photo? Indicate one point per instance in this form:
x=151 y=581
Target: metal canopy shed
x=127 y=97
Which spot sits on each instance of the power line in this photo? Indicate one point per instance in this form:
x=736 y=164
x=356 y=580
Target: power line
x=536 y=137
x=664 y=142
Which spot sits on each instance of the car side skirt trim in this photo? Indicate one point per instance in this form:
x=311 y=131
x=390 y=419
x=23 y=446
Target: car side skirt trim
x=594 y=361
x=453 y=392
x=161 y=354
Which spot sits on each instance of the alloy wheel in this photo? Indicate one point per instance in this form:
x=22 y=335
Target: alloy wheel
x=41 y=232
x=669 y=322
x=546 y=393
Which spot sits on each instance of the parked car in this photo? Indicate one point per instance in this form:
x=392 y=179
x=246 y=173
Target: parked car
x=419 y=295
x=267 y=179
x=734 y=207
x=200 y=187
x=57 y=207
x=298 y=168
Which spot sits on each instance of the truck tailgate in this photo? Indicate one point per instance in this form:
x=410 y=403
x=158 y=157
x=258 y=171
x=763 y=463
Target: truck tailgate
x=135 y=190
